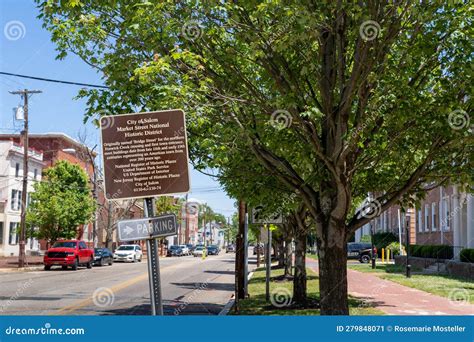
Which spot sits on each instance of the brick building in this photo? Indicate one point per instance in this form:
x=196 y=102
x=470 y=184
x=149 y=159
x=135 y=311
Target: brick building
x=444 y=217
x=55 y=147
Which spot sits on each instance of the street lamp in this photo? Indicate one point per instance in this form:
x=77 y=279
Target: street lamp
x=407 y=232
x=373 y=247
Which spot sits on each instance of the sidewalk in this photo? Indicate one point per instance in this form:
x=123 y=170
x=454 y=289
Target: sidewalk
x=11 y=263
x=396 y=299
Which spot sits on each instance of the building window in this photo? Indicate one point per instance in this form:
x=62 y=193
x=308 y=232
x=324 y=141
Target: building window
x=1 y=233
x=13 y=200
x=420 y=221
x=447 y=212
x=433 y=216
x=17 y=170
x=35 y=174
x=442 y=220
x=18 y=206
x=427 y=217
x=13 y=236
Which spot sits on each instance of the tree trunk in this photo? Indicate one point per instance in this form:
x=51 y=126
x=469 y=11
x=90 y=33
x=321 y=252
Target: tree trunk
x=288 y=257
x=332 y=250
x=281 y=254
x=299 y=280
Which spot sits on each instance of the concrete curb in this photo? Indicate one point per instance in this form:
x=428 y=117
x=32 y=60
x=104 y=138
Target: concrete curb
x=230 y=304
x=24 y=269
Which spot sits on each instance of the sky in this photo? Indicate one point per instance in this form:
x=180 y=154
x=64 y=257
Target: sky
x=26 y=48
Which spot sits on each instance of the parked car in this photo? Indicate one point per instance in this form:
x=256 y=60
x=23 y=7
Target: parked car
x=230 y=249
x=360 y=251
x=199 y=250
x=258 y=247
x=131 y=253
x=191 y=247
x=67 y=253
x=102 y=257
x=185 y=249
x=213 y=250
x=175 y=250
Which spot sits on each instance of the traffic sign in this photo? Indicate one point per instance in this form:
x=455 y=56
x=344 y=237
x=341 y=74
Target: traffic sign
x=259 y=218
x=264 y=234
x=145 y=154
x=147 y=228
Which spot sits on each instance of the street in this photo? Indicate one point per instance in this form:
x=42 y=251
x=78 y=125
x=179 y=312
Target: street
x=190 y=286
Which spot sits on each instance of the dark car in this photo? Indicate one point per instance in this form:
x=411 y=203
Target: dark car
x=102 y=257
x=258 y=247
x=175 y=250
x=212 y=250
x=190 y=247
x=360 y=251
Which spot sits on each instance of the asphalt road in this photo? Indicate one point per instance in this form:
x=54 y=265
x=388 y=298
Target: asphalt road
x=191 y=286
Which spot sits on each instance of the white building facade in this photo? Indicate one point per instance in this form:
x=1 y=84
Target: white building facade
x=11 y=184
x=214 y=233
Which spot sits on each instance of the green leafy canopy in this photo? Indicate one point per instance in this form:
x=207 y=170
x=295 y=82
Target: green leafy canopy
x=61 y=202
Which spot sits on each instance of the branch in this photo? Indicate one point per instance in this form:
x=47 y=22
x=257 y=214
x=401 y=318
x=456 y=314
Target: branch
x=357 y=222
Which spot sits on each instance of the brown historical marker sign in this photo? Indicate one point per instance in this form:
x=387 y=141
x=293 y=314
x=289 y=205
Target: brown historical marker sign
x=145 y=154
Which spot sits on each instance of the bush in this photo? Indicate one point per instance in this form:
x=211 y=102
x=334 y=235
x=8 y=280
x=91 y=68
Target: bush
x=432 y=251
x=467 y=255
x=366 y=239
x=395 y=248
x=382 y=240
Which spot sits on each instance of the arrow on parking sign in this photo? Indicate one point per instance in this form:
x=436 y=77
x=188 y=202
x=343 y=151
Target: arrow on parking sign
x=128 y=230
x=147 y=228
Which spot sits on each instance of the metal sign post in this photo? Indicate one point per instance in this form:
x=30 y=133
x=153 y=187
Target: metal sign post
x=150 y=229
x=269 y=264
x=153 y=266
x=275 y=218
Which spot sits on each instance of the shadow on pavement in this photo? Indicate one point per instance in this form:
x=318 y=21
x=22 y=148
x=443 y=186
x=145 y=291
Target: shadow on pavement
x=170 y=308
x=207 y=287
x=220 y=272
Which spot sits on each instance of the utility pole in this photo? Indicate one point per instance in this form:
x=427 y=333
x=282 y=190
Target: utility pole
x=186 y=231
x=24 y=93
x=372 y=253
x=407 y=230
x=94 y=193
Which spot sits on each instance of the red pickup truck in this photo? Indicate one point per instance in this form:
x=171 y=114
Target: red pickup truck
x=68 y=253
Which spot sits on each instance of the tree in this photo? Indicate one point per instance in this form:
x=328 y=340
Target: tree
x=168 y=204
x=61 y=202
x=334 y=99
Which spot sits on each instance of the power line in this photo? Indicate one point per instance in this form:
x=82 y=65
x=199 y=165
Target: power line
x=55 y=81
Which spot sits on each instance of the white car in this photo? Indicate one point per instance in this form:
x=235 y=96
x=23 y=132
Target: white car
x=131 y=253
x=185 y=249
x=198 y=251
